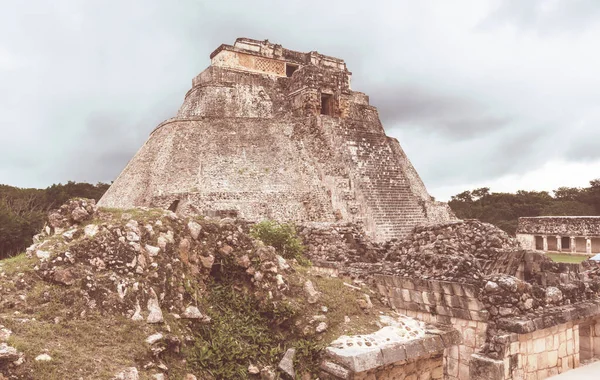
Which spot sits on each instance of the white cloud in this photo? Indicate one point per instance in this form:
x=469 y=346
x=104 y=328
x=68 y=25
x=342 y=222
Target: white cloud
x=550 y=176
x=476 y=91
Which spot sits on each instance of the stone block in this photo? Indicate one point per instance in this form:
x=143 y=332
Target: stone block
x=464 y=353
x=531 y=364
x=414 y=349
x=457 y=289
x=452 y=367
x=393 y=353
x=336 y=370
x=484 y=368
x=469 y=337
x=356 y=360
x=447 y=288
x=433 y=343
x=539 y=345
x=452 y=352
x=542 y=360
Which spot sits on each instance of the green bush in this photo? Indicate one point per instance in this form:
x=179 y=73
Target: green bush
x=282 y=237
x=240 y=333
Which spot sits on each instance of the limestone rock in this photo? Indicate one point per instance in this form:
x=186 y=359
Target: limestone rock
x=43 y=358
x=154 y=338
x=79 y=214
x=267 y=373
x=365 y=303
x=4 y=334
x=253 y=370
x=156 y=315
x=64 y=276
x=321 y=327
x=43 y=255
x=195 y=229
x=282 y=263
x=491 y=287
x=553 y=295
x=8 y=353
x=137 y=315
x=244 y=261
x=312 y=294
x=192 y=312
x=90 y=230
x=130 y=373
x=152 y=250
x=286 y=365
x=207 y=261
x=189 y=376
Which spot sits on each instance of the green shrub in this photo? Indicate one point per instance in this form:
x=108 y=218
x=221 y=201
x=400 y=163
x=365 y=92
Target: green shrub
x=282 y=237
x=240 y=333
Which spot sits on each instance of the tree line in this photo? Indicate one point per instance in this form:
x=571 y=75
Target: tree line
x=504 y=209
x=23 y=212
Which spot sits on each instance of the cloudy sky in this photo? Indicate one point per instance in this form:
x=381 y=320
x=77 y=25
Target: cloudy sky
x=503 y=94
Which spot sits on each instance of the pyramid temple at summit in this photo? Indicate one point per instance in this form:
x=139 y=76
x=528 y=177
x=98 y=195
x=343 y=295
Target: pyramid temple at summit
x=271 y=133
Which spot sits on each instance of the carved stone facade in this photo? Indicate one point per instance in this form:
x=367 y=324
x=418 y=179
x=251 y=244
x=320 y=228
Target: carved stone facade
x=572 y=234
x=267 y=132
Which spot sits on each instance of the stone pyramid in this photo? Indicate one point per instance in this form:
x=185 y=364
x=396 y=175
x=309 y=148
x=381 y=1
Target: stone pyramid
x=271 y=133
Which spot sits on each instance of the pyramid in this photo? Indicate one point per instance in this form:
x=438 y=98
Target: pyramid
x=271 y=133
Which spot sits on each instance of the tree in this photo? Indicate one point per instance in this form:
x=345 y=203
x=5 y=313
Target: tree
x=23 y=211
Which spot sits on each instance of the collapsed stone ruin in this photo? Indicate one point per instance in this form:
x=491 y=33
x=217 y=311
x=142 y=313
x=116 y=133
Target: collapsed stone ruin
x=519 y=314
x=271 y=133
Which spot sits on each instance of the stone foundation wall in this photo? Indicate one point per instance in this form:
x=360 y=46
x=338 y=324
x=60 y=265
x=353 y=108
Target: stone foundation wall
x=427 y=368
x=543 y=353
x=443 y=302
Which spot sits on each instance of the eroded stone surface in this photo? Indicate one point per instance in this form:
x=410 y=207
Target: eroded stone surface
x=332 y=150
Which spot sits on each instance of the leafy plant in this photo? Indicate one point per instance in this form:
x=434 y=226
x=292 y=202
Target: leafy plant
x=240 y=334
x=282 y=237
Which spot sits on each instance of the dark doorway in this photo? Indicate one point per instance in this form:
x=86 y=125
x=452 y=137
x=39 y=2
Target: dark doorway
x=326 y=104
x=173 y=206
x=290 y=69
x=539 y=243
x=565 y=243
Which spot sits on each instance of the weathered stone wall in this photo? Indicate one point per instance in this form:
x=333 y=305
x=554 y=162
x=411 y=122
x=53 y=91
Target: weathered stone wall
x=560 y=225
x=254 y=145
x=542 y=353
x=427 y=368
x=443 y=302
x=417 y=353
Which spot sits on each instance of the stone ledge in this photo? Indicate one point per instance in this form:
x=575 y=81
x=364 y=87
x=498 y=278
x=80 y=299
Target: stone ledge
x=552 y=317
x=365 y=358
x=484 y=368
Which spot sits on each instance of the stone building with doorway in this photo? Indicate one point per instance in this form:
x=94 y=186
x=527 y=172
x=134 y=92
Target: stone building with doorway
x=569 y=234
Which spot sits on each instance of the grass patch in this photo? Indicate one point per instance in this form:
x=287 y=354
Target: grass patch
x=94 y=348
x=342 y=301
x=564 y=258
x=20 y=263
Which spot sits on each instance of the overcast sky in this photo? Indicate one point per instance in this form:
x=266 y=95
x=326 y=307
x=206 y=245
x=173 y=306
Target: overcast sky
x=504 y=94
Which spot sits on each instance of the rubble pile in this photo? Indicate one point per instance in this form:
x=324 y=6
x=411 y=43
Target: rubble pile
x=141 y=265
x=468 y=237
x=344 y=243
x=450 y=252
